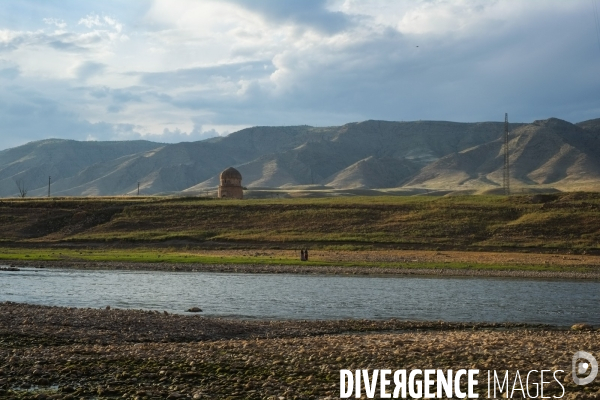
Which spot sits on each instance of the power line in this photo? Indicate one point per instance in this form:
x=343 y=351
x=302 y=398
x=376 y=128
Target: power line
x=506 y=170
x=597 y=20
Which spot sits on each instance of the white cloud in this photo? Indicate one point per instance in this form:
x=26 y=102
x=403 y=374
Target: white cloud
x=91 y=21
x=114 y=23
x=59 y=23
x=186 y=69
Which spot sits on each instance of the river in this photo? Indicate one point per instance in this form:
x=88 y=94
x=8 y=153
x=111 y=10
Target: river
x=288 y=296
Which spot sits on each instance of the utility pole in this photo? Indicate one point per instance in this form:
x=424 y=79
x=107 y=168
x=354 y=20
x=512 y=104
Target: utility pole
x=506 y=177
x=138 y=188
x=49 y=186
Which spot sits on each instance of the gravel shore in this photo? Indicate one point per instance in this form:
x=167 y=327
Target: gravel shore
x=54 y=352
x=315 y=270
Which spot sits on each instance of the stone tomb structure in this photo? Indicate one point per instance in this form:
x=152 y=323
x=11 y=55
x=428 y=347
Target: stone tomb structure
x=230 y=185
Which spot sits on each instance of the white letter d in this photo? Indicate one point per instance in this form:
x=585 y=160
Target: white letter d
x=346 y=391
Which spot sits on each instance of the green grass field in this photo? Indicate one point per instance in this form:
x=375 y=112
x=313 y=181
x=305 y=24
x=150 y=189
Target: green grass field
x=173 y=256
x=562 y=221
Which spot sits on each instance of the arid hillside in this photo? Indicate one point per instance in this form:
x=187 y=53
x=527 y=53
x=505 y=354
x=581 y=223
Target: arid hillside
x=548 y=155
x=550 y=152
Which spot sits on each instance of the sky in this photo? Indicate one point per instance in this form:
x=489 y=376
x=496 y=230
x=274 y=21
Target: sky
x=186 y=70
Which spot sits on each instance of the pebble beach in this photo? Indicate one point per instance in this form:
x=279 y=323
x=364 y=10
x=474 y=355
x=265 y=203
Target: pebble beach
x=72 y=353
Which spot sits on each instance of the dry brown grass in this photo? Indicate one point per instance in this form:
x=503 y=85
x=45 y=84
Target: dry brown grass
x=562 y=221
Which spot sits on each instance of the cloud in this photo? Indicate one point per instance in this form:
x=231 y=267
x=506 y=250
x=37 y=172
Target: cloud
x=59 y=23
x=307 y=13
x=192 y=76
x=91 y=21
x=65 y=46
x=177 y=136
x=187 y=69
x=95 y=21
x=89 y=69
x=58 y=40
x=9 y=70
x=40 y=118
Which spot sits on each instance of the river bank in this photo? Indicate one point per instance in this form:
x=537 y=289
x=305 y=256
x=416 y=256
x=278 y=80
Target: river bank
x=53 y=352
x=308 y=269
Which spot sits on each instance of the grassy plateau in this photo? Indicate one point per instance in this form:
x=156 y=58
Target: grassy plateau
x=211 y=231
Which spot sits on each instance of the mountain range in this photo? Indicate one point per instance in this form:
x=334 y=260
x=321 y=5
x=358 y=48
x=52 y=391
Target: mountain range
x=434 y=155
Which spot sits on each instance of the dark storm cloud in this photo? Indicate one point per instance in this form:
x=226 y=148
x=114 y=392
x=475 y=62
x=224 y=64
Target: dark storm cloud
x=191 y=76
x=9 y=70
x=122 y=97
x=115 y=108
x=532 y=68
x=99 y=92
x=62 y=42
x=25 y=122
x=88 y=69
x=29 y=115
x=117 y=100
x=310 y=13
x=125 y=96
x=65 y=46
x=132 y=94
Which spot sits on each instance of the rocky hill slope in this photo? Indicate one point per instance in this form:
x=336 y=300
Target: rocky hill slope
x=549 y=152
x=366 y=155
